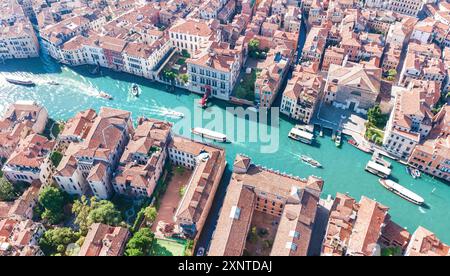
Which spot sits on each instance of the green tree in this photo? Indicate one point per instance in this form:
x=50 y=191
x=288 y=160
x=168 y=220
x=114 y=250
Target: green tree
x=252 y=235
x=92 y=211
x=182 y=191
x=7 y=192
x=150 y=213
x=55 y=241
x=52 y=201
x=375 y=117
x=105 y=212
x=81 y=208
x=185 y=53
x=140 y=244
x=56 y=158
x=253 y=45
x=392 y=72
x=184 y=78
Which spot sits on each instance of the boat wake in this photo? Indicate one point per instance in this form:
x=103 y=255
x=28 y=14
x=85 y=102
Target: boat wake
x=163 y=112
x=81 y=87
x=422 y=210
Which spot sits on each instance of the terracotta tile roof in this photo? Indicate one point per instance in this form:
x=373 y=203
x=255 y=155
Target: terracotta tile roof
x=25 y=204
x=107 y=129
x=395 y=234
x=367 y=227
x=104 y=240
x=356 y=76
x=79 y=125
x=191 y=27
x=297 y=219
x=340 y=225
x=98 y=172
x=301 y=198
x=231 y=233
x=31 y=151
x=425 y=243
x=218 y=56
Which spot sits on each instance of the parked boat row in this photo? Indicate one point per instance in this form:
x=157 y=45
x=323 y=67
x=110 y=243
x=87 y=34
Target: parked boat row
x=209 y=134
x=359 y=146
x=402 y=191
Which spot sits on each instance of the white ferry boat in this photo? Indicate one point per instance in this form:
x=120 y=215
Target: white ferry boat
x=301 y=135
x=209 y=134
x=402 y=191
x=20 y=82
x=378 y=169
x=310 y=161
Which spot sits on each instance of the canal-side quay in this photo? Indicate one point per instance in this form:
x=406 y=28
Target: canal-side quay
x=343 y=167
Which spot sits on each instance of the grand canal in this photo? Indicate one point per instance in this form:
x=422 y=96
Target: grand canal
x=343 y=168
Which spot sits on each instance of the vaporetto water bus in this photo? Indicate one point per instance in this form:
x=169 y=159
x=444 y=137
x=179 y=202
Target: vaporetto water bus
x=209 y=134
x=402 y=191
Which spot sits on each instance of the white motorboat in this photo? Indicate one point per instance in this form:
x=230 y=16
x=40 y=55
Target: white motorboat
x=105 y=95
x=135 y=90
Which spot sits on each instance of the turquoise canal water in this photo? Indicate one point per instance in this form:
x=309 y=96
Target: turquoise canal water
x=343 y=168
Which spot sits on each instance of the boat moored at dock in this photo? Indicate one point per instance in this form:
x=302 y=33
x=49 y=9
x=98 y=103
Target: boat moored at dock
x=209 y=134
x=378 y=169
x=402 y=191
x=338 y=140
x=301 y=135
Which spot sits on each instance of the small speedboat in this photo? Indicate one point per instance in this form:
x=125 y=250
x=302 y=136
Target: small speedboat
x=416 y=173
x=53 y=83
x=105 y=95
x=352 y=142
x=135 y=90
x=410 y=172
x=310 y=161
x=338 y=140
x=20 y=82
x=174 y=114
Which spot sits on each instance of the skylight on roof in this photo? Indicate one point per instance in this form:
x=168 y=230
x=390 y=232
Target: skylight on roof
x=294 y=234
x=235 y=212
x=292 y=246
